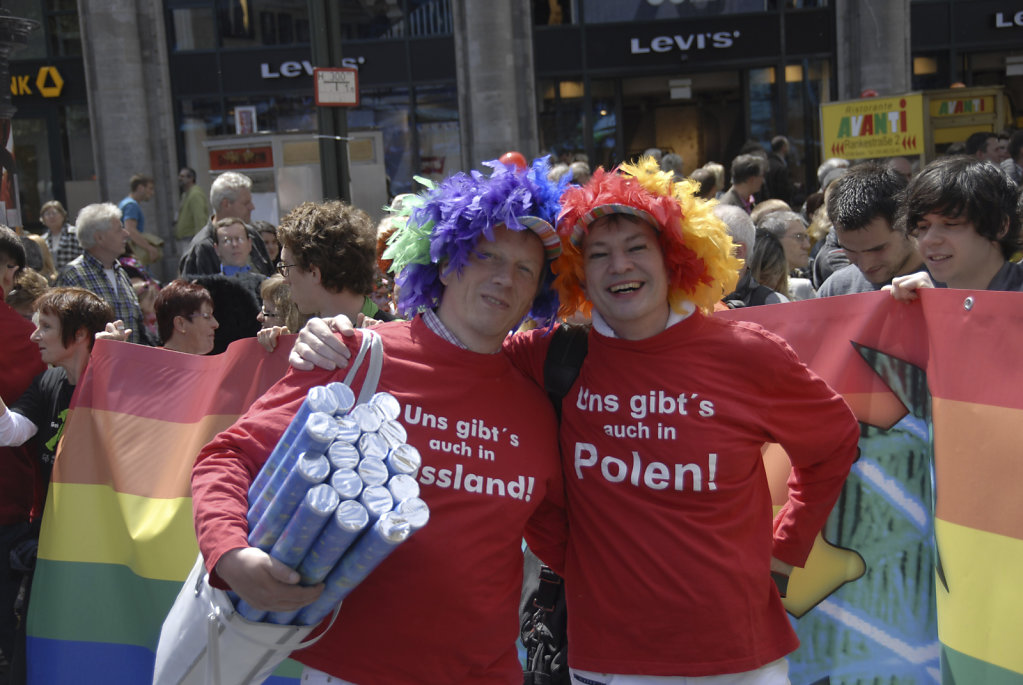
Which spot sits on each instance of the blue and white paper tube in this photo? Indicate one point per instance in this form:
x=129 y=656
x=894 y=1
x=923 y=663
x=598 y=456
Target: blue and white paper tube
x=404 y=459
x=372 y=471
x=377 y=500
x=415 y=512
x=346 y=483
x=318 y=399
x=347 y=429
x=344 y=395
x=385 y=404
x=367 y=419
x=317 y=434
x=247 y=611
x=308 y=471
x=393 y=433
x=349 y=520
x=343 y=455
x=305 y=525
x=403 y=487
x=368 y=553
x=372 y=446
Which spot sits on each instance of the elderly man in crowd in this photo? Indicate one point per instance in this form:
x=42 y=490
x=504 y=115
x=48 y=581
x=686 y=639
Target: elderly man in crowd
x=103 y=238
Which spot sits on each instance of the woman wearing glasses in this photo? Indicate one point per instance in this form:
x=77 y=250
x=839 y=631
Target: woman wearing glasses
x=790 y=230
x=184 y=317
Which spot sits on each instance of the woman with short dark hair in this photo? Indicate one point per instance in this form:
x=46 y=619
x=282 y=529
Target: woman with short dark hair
x=184 y=318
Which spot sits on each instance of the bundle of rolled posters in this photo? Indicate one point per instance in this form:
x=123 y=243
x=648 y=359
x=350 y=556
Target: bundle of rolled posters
x=336 y=496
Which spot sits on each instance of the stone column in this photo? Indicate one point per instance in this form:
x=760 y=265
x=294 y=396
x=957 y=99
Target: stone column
x=873 y=47
x=124 y=45
x=496 y=79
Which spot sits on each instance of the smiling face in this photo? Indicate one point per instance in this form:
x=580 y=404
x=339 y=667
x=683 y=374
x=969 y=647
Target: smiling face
x=879 y=252
x=955 y=253
x=495 y=289
x=626 y=279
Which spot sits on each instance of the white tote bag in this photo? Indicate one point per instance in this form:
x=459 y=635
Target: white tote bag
x=204 y=641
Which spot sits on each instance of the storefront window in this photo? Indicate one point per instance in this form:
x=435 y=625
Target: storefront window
x=553 y=12
x=807 y=85
x=247 y=23
x=395 y=19
x=605 y=124
x=278 y=114
x=762 y=124
x=610 y=11
x=561 y=120
x=194 y=28
x=387 y=110
x=930 y=71
x=440 y=148
x=65 y=36
x=35 y=173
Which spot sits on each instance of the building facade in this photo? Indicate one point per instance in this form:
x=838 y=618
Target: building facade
x=152 y=85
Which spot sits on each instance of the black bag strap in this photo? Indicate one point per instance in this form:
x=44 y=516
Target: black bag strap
x=565 y=356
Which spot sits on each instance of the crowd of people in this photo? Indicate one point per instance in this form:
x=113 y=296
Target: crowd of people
x=642 y=253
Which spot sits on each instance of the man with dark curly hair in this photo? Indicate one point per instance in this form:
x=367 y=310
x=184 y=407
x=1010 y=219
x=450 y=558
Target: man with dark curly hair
x=328 y=256
x=964 y=217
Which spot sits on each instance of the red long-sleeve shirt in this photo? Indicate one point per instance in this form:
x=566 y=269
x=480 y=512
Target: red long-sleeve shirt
x=670 y=516
x=443 y=608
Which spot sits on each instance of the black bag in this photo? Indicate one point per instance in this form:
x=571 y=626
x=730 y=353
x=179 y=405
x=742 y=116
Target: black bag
x=544 y=615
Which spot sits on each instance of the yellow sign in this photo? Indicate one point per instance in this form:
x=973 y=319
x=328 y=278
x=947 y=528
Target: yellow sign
x=873 y=127
x=950 y=107
x=52 y=88
x=48 y=83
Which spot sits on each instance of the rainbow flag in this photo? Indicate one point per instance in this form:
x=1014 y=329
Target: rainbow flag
x=935 y=385
x=117 y=538
x=933 y=507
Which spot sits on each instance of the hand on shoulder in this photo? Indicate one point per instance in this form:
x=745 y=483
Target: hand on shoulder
x=318 y=346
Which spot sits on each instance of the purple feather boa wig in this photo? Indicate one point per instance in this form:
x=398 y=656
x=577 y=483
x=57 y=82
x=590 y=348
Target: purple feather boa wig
x=449 y=219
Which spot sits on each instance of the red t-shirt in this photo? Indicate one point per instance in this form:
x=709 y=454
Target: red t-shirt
x=19 y=364
x=443 y=608
x=668 y=563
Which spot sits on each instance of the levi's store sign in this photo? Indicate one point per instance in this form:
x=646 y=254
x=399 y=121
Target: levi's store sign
x=685 y=43
x=669 y=43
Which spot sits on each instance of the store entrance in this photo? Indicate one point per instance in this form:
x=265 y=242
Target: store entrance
x=699 y=117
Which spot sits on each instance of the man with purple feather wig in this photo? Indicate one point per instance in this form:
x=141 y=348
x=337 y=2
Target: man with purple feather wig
x=473 y=259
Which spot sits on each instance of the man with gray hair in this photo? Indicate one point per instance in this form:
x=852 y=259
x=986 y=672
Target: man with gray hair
x=230 y=197
x=748 y=292
x=103 y=237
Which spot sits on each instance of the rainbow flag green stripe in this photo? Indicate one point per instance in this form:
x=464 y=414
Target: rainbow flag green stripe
x=118 y=608
x=962 y=669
